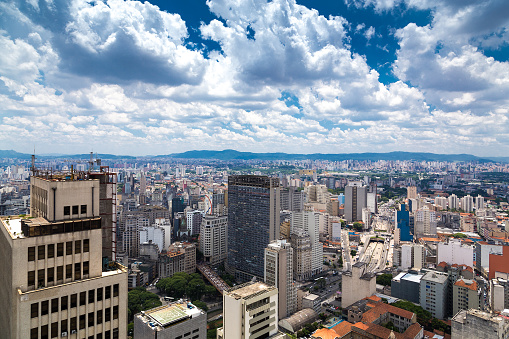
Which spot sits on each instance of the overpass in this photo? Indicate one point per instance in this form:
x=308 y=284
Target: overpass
x=213 y=278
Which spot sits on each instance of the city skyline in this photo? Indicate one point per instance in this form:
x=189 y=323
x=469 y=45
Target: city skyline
x=351 y=76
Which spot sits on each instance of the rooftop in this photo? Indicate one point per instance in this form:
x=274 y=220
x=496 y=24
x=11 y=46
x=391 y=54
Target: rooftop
x=164 y=316
x=470 y=284
x=248 y=290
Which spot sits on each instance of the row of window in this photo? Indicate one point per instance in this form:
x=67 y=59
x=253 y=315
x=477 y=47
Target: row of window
x=188 y=334
x=71 y=301
x=49 y=274
x=55 y=333
x=48 y=251
x=75 y=209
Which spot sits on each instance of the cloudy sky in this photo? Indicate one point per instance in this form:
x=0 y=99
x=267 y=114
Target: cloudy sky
x=305 y=76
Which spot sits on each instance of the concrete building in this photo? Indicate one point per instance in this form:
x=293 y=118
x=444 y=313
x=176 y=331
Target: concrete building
x=403 y=224
x=499 y=293
x=467 y=203
x=355 y=200
x=433 y=293
x=474 y=324
x=293 y=200
x=309 y=222
x=250 y=310
x=454 y=252
x=53 y=283
x=279 y=273
x=411 y=256
x=194 y=218
x=253 y=222
x=425 y=222
x=177 y=320
x=214 y=239
x=155 y=235
x=453 y=202
x=181 y=257
x=479 y=203
x=465 y=295
x=406 y=286
x=483 y=250
x=298 y=320
x=357 y=284
x=441 y=203
x=411 y=192
x=499 y=263
x=301 y=244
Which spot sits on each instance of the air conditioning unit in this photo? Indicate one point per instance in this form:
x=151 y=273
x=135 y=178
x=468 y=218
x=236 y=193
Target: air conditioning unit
x=74 y=331
x=64 y=334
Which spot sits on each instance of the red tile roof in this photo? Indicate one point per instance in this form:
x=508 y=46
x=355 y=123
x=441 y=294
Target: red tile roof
x=462 y=283
x=325 y=333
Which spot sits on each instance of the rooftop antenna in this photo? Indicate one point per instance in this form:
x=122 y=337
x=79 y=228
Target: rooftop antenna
x=91 y=162
x=33 y=162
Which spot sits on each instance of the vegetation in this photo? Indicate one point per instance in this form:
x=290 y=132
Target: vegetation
x=423 y=316
x=139 y=300
x=308 y=329
x=357 y=226
x=201 y=304
x=459 y=235
x=353 y=253
x=182 y=284
x=384 y=279
x=390 y=326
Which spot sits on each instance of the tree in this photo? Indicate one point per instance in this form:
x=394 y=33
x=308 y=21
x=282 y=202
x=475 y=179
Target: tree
x=384 y=279
x=353 y=253
x=201 y=304
x=423 y=316
x=357 y=226
x=182 y=284
x=140 y=300
x=459 y=235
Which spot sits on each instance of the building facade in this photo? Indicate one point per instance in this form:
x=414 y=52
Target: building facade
x=214 y=239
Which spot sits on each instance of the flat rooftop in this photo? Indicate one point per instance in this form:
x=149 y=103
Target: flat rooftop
x=249 y=289
x=168 y=315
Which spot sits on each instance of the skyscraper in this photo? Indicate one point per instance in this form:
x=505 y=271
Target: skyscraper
x=279 y=273
x=403 y=224
x=355 y=200
x=253 y=222
x=53 y=281
x=309 y=223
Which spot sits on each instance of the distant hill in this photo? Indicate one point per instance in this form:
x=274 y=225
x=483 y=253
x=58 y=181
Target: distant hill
x=13 y=154
x=236 y=155
x=16 y=155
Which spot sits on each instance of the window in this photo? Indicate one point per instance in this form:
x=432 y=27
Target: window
x=91 y=319
x=67 y=210
x=115 y=333
x=115 y=312
x=40 y=278
x=31 y=278
x=74 y=325
x=60 y=272
x=83 y=298
x=107 y=292
x=86 y=245
x=99 y=336
x=91 y=296
x=77 y=246
x=51 y=274
x=31 y=253
x=64 y=303
x=44 y=307
x=54 y=305
x=77 y=270
x=115 y=290
x=34 y=310
x=83 y=209
x=68 y=271
x=60 y=249
x=51 y=251
x=100 y=294
x=74 y=300
x=63 y=325
x=75 y=209
x=99 y=317
x=54 y=330
x=107 y=334
x=68 y=248
x=34 y=333
x=41 y=251
x=107 y=314
x=82 y=321
x=85 y=268
x=44 y=332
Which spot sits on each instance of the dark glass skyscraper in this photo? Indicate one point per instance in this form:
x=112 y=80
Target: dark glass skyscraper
x=253 y=222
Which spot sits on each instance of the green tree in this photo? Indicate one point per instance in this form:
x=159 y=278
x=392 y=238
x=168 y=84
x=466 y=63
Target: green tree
x=201 y=304
x=140 y=300
x=353 y=253
x=384 y=279
x=357 y=226
x=212 y=333
x=459 y=235
x=423 y=316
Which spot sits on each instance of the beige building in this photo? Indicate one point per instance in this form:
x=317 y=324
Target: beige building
x=473 y=324
x=181 y=257
x=213 y=239
x=52 y=283
x=411 y=192
x=250 y=310
x=279 y=273
x=465 y=295
x=301 y=244
x=357 y=284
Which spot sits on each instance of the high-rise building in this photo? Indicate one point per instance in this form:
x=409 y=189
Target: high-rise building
x=355 y=200
x=309 y=222
x=301 y=244
x=253 y=222
x=411 y=192
x=479 y=202
x=250 y=310
x=473 y=324
x=213 y=239
x=425 y=222
x=357 y=284
x=433 y=293
x=403 y=224
x=467 y=203
x=279 y=273
x=194 y=221
x=53 y=281
x=453 y=202
x=465 y=295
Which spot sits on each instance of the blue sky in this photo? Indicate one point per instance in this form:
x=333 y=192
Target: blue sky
x=305 y=76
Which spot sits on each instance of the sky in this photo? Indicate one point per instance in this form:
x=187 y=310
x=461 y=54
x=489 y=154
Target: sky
x=306 y=76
